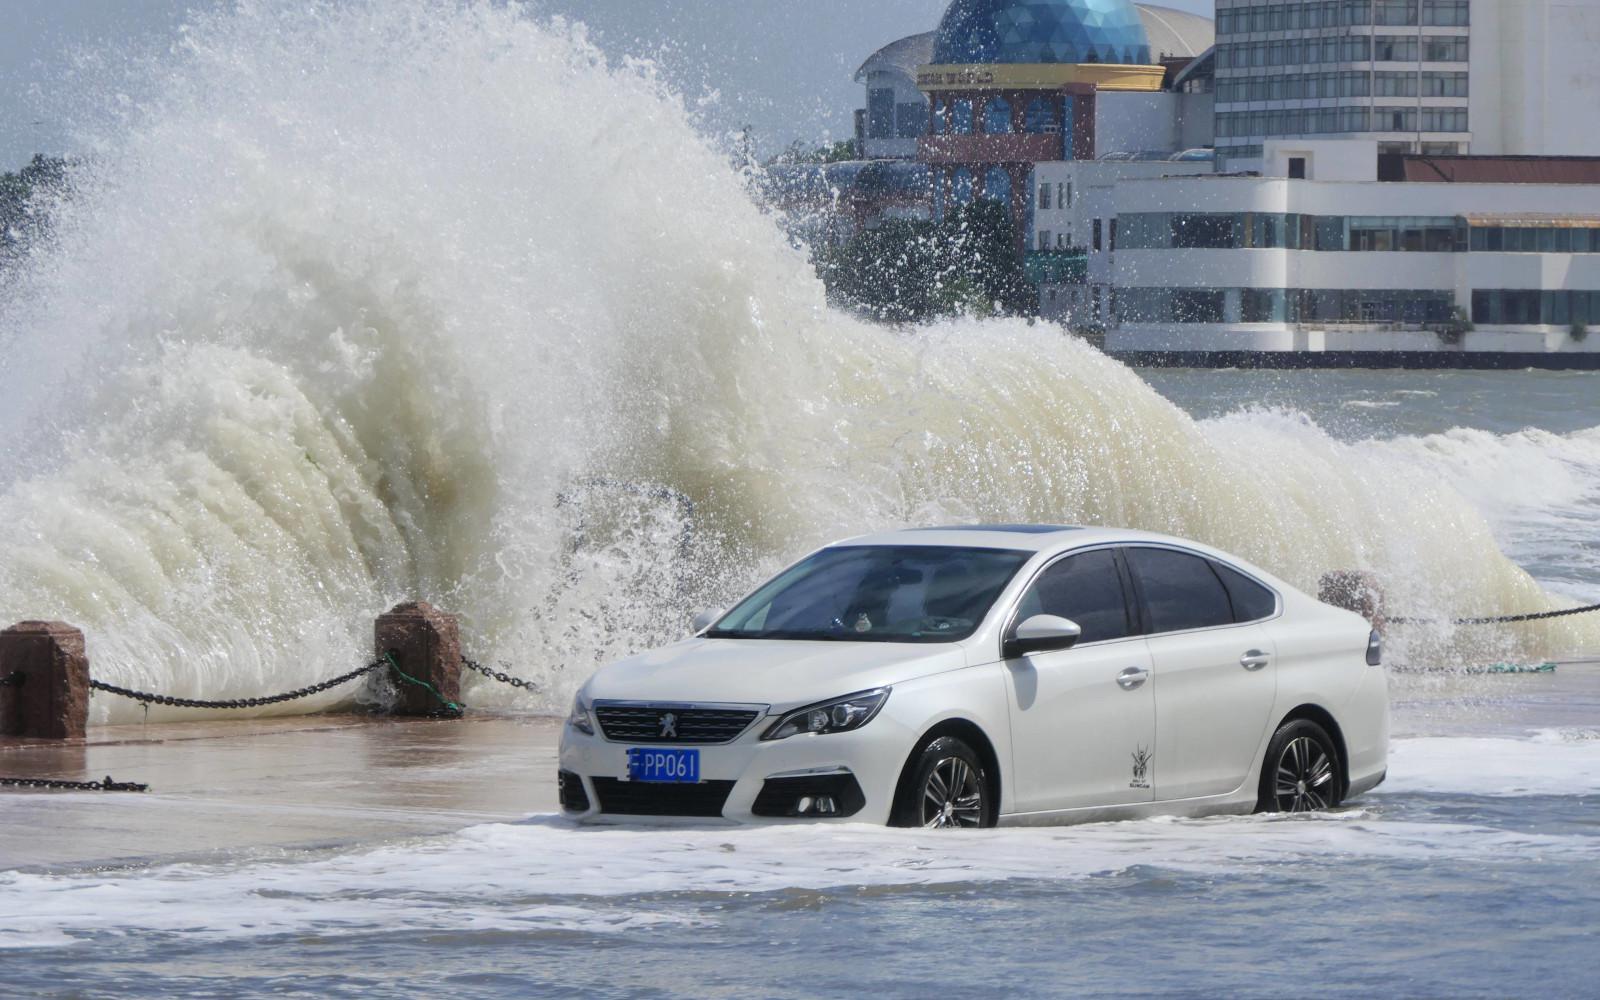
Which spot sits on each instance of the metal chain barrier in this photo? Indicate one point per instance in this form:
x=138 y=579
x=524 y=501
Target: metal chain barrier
x=148 y=698
x=1500 y=620
x=502 y=677
x=79 y=786
x=448 y=709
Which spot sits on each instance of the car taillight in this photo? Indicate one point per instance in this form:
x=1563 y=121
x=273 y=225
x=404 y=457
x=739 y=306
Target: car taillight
x=1374 y=649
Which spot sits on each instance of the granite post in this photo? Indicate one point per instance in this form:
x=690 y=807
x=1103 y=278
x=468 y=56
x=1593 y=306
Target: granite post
x=426 y=643
x=44 y=681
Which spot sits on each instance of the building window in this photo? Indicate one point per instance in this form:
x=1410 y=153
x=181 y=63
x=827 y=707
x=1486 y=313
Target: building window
x=1450 y=13
x=961 y=185
x=1534 y=307
x=1395 y=85
x=1444 y=119
x=1297 y=168
x=1044 y=197
x=961 y=116
x=997 y=116
x=911 y=119
x=1393 y=48
x=1414 y=307
x=1527 y=239
x=1444 y=48
x=880 y=113
x=1095 y=236
x=1041 y=117
x=1389 y=12
x=1197 y=305
x=997 y=185
x=1044 y=239
x=1444 y=85
x=1394 y=119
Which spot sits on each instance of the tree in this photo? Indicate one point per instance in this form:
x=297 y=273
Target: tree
x=907 y=271
x=18 y=222
x=799 y=153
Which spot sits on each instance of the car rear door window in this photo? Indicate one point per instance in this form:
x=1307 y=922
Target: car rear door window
x=1181 y=591
x=1251 y=601
x=1086 y=589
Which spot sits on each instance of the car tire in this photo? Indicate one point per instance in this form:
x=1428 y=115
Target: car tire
x=1301 y=771
x=945 y=787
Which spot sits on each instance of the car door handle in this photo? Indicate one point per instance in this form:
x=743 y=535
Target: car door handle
x=1254 y=660
x=1132 y=677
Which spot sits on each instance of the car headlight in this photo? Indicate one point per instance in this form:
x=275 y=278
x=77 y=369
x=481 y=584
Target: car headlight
x=578 y=718
x=837 y=716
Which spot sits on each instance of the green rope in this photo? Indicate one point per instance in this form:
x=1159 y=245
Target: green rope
x=450 y=705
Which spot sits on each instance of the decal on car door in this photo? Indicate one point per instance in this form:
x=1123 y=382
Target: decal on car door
x=1141 y=769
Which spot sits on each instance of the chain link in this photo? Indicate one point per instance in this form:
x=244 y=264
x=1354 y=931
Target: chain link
x=13 y=679
x=1502 y=620
x=502 y=677
x=83 y=786
x=149 y=698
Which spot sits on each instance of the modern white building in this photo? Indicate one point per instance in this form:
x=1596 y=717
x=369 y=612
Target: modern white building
x=1451 y=261
x=1071 y=226
x=1486 y=77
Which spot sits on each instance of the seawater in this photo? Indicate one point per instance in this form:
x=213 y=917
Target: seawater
x=354 y=304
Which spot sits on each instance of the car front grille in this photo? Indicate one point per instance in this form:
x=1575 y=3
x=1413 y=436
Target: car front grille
x=648 y=798
x=678 y=725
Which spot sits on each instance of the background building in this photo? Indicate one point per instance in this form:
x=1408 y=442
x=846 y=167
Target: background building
x=1346 y=180
x=1322 y=257
x=1488 y=77
x=896 y=112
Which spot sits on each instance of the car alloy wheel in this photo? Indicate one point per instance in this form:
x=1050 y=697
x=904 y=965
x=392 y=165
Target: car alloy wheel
x=1306 y=777
x=1302 y=771
x=952 y=795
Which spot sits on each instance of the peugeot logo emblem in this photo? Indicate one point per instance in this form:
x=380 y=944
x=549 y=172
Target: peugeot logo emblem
x=669 y=726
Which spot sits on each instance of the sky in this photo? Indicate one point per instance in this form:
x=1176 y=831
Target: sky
x=781 y=67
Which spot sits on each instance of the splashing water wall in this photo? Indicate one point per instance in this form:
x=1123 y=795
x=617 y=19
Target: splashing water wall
x=360 y=304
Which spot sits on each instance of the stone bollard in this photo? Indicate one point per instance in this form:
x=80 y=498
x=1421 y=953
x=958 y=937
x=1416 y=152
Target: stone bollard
x=47 y=694
x=1354 y=590
x=426 y=643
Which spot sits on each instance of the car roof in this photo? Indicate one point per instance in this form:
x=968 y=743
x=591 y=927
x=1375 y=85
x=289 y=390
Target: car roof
x=1017 y=537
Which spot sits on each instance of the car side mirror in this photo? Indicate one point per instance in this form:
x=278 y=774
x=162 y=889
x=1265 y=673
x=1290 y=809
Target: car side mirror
x=1042 y=634
x=703 y=620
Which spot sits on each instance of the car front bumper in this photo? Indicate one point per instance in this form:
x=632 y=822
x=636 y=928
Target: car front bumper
x=789 y=770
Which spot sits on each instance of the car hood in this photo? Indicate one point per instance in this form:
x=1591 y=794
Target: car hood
x=776 y=672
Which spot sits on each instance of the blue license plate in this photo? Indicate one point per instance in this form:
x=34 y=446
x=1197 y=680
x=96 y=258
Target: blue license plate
x=651 y=764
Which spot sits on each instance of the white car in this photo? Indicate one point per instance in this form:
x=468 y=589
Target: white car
x=1007 y=674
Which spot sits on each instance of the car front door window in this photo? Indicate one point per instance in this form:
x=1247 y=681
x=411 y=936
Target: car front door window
x=1086 y=589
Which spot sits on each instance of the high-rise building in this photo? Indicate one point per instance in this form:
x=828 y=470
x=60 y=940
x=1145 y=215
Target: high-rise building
x=1486 y=77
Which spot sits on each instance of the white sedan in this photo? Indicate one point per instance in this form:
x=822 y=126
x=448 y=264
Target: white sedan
x=1005 y=674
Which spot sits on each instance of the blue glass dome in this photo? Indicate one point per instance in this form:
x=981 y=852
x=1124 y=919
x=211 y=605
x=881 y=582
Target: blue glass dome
x=1041 y=31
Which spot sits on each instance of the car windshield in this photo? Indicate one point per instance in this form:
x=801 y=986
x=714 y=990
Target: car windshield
x=876 y=593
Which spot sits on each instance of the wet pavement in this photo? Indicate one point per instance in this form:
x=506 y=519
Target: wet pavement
x=314 y=781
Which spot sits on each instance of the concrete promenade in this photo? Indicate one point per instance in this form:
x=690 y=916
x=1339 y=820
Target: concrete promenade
x=223 y=786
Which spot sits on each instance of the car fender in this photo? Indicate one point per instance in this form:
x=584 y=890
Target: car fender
x=975 y=695
x=1322 y=662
